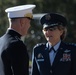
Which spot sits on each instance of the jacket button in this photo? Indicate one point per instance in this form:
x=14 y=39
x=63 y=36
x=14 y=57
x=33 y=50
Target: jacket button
x=50 y=71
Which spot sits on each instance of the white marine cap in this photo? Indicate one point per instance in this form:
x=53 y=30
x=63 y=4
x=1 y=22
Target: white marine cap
x=20 y=11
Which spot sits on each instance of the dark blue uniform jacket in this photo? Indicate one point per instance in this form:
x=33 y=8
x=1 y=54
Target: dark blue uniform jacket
x=64 y=62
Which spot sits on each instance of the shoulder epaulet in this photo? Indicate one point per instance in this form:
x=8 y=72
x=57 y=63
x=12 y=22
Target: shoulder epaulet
x=71 y=44
x=39 y=45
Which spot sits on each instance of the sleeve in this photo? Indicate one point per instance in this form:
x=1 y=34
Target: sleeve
x=19 y=58
x=35 y=70
x=74 y=60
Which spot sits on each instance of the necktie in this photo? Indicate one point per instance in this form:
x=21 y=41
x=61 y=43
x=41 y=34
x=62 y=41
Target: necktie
x=52 y=53
x=52 y=49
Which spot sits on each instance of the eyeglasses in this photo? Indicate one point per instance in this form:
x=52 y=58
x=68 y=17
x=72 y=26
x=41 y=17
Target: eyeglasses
x=51 y=29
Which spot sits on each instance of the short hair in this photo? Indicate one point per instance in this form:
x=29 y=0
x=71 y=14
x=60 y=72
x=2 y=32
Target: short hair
x=63 y=36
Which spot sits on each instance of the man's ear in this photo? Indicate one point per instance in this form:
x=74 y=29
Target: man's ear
x=21 y=21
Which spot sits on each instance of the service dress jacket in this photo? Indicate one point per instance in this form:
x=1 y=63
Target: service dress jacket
x=14 y=59
x=64 y=62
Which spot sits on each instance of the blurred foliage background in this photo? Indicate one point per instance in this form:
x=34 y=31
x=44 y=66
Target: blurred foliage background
x=35 y=35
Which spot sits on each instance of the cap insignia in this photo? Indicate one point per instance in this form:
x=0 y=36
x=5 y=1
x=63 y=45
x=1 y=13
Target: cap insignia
x=47 y=17
x=29 y=15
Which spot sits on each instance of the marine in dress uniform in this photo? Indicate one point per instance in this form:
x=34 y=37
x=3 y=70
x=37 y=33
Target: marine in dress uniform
x=61 y=59
x=14 y=59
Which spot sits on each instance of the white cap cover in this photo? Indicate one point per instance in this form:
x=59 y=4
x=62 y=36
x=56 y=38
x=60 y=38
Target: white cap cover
x=20 y=11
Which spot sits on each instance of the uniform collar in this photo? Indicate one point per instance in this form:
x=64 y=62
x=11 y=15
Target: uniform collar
x=48 y=45
x=13 y=33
